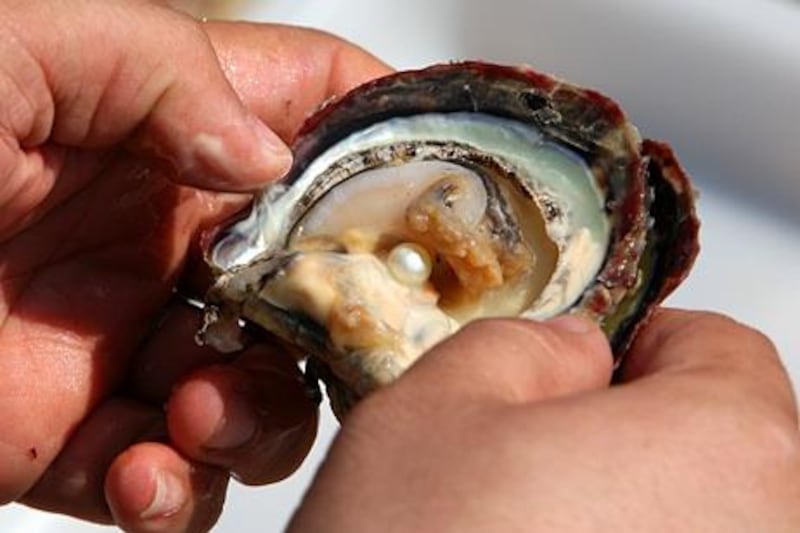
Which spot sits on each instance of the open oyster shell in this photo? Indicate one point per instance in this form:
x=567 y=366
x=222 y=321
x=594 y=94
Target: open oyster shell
x=429 y=198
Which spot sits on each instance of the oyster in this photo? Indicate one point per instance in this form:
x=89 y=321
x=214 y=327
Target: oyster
x=429 y=198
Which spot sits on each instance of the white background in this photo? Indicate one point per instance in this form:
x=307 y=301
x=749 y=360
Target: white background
x=719 y=79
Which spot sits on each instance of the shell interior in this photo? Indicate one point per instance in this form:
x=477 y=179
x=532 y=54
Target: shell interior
x=428 y=198
x=400 y=233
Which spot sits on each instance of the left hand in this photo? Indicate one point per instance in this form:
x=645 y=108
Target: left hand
x=95 y=231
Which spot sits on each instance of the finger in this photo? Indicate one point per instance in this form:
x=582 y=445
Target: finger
x=73 y=483
x=169 y=87
x=151 y=488
x=514 y=361
x=697 y=352
x=255 y=419
x=284 y=73
x=170 y=354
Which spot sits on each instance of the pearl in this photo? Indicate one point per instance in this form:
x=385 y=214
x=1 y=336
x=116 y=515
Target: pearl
x=409 y=263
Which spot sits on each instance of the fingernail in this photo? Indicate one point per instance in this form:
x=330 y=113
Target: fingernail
x=273 y=148
x=570 y=324
x=236 y=427
x=168 y=497
x=273 y=158
x=244 y=159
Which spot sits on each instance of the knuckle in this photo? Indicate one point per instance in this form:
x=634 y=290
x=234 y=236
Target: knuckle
x=739 y=346
x=677 y=325
x=184 y=30
x=722 y=339
x=191 y=34
x=771 y=443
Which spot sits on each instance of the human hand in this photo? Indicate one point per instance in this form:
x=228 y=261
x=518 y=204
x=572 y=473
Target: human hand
x=511 y=426
x=95 y=231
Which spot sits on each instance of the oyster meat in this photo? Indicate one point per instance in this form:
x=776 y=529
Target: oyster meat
x=429 y=198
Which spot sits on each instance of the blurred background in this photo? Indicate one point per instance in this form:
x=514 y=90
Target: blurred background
x=719 y=80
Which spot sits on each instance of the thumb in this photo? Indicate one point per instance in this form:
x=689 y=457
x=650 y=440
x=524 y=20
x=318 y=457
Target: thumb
x=514 y=361
x=199 y=124
x=103 y=72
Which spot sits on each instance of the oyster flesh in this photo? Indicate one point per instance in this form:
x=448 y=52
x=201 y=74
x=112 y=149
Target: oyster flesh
x=429 y=198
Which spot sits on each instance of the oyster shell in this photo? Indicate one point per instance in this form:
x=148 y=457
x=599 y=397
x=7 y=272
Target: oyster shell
x=429 y=198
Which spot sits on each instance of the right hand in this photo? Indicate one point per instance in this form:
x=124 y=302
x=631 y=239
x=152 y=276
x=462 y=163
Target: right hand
x=511 y=426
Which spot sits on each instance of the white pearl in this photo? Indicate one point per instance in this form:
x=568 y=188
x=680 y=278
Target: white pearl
x=409 y=263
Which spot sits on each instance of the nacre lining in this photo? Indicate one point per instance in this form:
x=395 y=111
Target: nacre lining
x=545 y=170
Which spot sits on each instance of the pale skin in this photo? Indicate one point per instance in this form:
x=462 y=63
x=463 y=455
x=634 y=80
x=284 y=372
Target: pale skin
x=511 y=426
x=117 y=119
